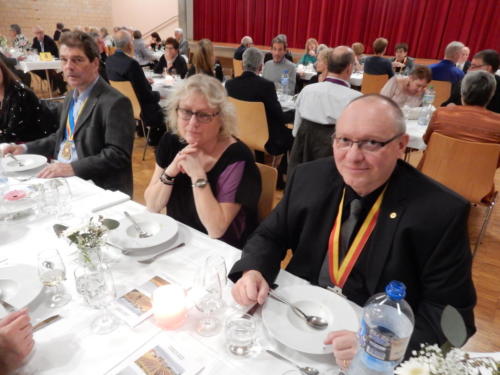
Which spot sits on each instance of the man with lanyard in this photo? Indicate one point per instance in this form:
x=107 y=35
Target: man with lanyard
x=361 y=220
x=318 y=107
x=96 y=132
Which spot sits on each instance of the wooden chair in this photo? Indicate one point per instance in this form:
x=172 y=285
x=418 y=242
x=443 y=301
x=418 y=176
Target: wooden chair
x=465 y=167
x=373 y=83
x=442 y=89
x=111 y=50
x=237 y=67
x=269 y=176
x=125 y=87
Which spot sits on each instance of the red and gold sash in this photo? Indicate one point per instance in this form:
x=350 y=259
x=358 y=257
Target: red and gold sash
x=340 y=272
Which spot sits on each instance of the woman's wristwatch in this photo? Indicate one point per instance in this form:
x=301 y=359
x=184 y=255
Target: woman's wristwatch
x=166 y=179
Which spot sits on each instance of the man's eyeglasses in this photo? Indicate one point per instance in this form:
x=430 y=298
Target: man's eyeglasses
x=202 y=117
x=370 y=145
x=473 y=66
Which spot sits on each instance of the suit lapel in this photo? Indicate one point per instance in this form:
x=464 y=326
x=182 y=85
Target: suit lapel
x=391 y=212
x=89 y=105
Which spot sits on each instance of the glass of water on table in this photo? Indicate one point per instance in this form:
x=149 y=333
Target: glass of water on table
x=52 y=272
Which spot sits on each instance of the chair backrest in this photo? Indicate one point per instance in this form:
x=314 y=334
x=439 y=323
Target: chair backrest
x=237 y=67
x=268 y=176
x=111 y=50
x=252 y=123
x=465 y=167
x=442 y=89
x=373 y=83
x=125 y=87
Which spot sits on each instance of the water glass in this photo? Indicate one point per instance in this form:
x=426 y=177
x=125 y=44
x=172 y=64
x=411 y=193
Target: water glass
x=52 y=272
x=97 y=287
x=57 y=197
x=241 y=332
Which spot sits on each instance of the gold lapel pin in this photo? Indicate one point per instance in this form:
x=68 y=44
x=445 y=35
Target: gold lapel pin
x=393 y=215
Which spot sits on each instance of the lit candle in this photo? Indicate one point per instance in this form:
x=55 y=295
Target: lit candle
x=169 y=306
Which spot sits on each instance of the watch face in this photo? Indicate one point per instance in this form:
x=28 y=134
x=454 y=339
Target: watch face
x=201 y=182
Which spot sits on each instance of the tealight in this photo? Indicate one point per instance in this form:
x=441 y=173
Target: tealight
x=169 y=306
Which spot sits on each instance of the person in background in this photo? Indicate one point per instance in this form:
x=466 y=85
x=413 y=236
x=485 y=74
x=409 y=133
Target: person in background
x=108 y=39
x=121 y=67
x=419 y=236
x=204 y=61
x=408 y=90
x=359 y=57
x=23 y=117
x=269 y=56
x=16 y=340
x=103 y=50
x=489 y=61
x=246 y=42
x=446 y=69
x=141 y=53
x=463 y=62
x=171 y=60
x=470 y=121
x=155 y=41
x=321 y=65
x=57 y=33
x=402 y=63
x=378 y=64
x=95 y=137
x=311 y=52
x=19 y=41
x=183 y=43
x=273 y=69
x=205 y=177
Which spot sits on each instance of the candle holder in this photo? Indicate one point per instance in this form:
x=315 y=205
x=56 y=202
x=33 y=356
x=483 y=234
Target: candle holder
x=169 y=306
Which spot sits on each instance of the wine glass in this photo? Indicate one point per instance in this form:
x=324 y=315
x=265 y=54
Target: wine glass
x=52 y=272
x=97 y=287
x=208 y=297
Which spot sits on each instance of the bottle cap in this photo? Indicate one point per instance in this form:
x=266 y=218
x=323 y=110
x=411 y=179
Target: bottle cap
x=395 y=290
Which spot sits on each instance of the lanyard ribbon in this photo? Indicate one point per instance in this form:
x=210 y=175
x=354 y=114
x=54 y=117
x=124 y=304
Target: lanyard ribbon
x=336 y=81
x=340 y=272
x=70 y=123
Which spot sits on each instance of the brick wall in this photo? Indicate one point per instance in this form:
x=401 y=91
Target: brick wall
x=46 y=13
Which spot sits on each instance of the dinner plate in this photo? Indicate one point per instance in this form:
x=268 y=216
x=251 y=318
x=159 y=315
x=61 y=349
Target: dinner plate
x=19 y=202
x=20 y=284
x=162 y=228
x=29 y=161
x=290 y=330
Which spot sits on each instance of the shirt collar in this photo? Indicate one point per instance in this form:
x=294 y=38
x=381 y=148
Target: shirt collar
x=86 y=93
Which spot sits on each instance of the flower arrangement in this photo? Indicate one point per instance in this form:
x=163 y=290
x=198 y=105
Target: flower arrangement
x=89 y=236
x=3 y=41
x=432 y=360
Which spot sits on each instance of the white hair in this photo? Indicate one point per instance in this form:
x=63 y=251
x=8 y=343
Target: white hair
x=179 y=30
x=453 y=50
x=246 y=40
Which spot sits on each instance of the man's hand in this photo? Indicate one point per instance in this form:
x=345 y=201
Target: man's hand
x=57 y=170
x=251 y=288
x=13 y=149
x=16 y=331
x=344 y=346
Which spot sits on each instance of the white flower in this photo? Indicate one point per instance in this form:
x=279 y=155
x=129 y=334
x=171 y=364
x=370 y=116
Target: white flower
x=412 y=367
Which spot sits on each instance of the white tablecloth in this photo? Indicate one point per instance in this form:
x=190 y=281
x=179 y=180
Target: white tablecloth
x=27 y=66
x=356 y=79
x=68 y=346
x=416 y=132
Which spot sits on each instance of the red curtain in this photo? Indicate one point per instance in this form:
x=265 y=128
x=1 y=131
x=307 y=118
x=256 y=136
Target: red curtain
x=426 y=25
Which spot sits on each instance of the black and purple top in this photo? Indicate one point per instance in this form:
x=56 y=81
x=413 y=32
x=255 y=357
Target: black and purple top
x=234 y=178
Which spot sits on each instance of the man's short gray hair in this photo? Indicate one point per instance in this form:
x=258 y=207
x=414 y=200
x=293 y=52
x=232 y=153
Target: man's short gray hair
x=246 y=40
x=122 y=39
x=453 y=50
x=478 y=88
x=252 y=59
x=179 y=30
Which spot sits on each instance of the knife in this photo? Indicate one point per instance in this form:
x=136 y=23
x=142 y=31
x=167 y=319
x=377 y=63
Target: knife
x=254 y=308
x=44 y=323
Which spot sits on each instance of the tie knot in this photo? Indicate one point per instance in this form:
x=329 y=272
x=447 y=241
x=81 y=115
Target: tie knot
x=355 y=208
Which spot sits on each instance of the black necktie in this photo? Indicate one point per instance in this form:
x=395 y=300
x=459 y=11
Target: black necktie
x=348 y=226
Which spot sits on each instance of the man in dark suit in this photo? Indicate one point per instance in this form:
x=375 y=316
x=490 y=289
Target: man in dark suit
x=246 y=42
x=419 y=235
x=96 y=131
x=44 y=43
x=250 y=87
x=121 y=67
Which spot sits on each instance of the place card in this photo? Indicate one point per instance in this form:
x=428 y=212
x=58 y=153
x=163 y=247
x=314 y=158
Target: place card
x=46 y=56
x=162 y=355
x=136 y=305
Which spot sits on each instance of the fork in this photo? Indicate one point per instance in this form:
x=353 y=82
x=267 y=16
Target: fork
x=150 y=260
x=19 y=162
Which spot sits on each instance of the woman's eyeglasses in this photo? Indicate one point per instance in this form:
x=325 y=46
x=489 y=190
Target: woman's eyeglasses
x=203 y=117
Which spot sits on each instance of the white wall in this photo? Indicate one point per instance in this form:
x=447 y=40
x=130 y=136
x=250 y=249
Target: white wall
x=145 y=15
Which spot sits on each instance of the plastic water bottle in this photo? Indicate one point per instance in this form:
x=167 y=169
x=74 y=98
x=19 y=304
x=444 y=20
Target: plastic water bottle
x=284 y=80
x=426 y=111
x=385 y=331
x=429 y=96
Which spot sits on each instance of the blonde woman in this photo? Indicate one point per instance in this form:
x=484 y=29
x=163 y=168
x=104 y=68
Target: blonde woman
x=204 y=61
x=311 y=51
x=205 y=177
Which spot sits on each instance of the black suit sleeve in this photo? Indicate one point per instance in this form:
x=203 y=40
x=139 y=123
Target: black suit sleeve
x=141 y=86
x=455 y=96
x=162 y=64
x=180 y=66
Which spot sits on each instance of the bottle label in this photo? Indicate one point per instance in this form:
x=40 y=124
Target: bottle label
x=382 y=343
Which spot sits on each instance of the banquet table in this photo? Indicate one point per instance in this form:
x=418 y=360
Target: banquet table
x=416 y=132
x=356 y=79
x=69 y=347
x=29 y=65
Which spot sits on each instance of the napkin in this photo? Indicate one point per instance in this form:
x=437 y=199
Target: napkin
x=102 y=200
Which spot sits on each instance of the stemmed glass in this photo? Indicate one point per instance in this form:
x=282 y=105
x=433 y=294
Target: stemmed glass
x=97 y=287
x=208 y=288
x=52 y=272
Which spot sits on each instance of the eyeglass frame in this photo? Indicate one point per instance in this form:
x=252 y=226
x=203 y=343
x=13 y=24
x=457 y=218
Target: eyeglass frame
x=209 y=118
x=477 y=66
x=362 y=142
